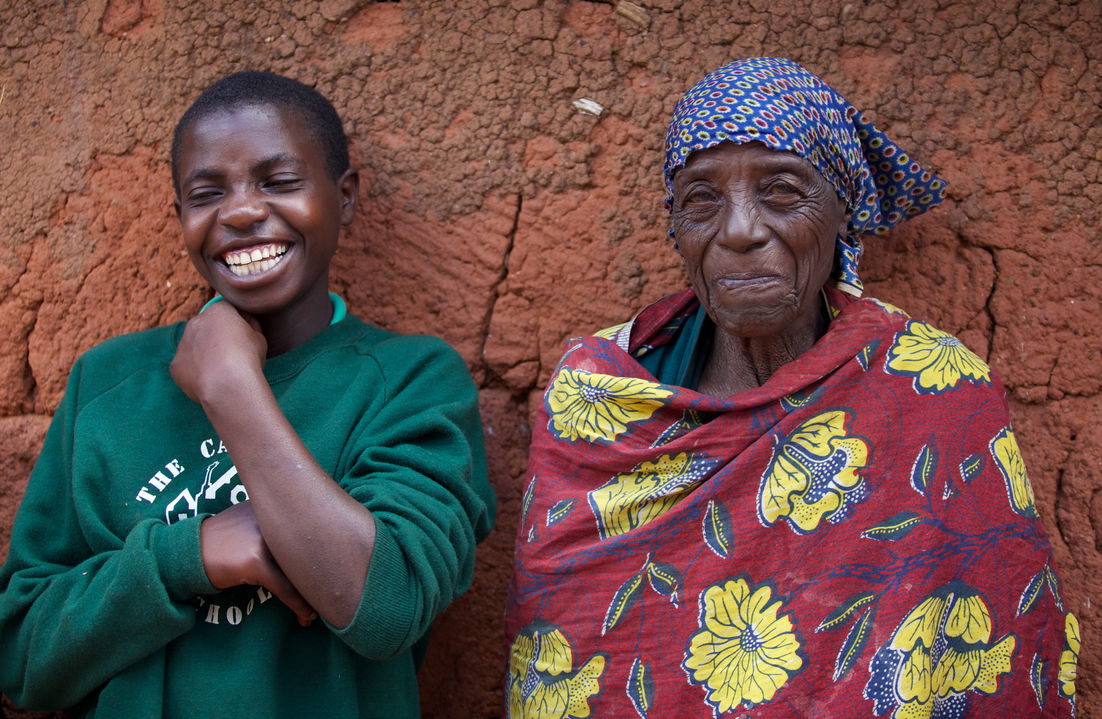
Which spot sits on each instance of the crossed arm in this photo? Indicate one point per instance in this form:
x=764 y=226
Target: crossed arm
x=300 y=534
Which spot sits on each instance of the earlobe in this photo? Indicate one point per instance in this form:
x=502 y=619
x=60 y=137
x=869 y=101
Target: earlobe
x=843 y=227
x=349 y=187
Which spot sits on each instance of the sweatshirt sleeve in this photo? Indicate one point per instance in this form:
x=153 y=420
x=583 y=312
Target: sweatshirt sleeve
x=420 y=468
x=71 y=617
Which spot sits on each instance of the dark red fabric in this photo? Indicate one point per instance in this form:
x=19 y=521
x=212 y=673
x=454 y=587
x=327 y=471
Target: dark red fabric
x=855 y=538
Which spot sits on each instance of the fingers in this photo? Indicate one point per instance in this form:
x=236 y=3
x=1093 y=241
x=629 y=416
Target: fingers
x=234 y=553
x=278 y=584
x=271 y=577
x=225 y=314
x=218 y=341
x=224 y=546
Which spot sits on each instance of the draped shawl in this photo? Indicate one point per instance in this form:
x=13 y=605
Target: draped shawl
x=857 y=537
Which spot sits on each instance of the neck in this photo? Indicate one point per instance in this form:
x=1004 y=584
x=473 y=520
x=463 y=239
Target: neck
x=741 y=363
x=295 y=325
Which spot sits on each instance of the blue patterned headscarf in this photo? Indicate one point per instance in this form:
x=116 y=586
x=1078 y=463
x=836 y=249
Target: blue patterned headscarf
x=777 y=102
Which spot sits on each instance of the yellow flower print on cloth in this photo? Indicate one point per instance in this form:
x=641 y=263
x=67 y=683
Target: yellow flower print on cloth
x=1069 y=658
x=937 y=361
x=1008 y=458
x=745 y=651
x=938 y=656
x=813 y=474
x=631 y=499
x=542 y=682
x=610 y=333
x=599 y=407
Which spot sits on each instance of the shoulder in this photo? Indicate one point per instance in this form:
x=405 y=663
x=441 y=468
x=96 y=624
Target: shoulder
x=391 y=348
x=868 y=311
x=136 y=348
x=119 y=358
x=412 y=380
x=122 y=368
x=402 y=357
x=933 y=359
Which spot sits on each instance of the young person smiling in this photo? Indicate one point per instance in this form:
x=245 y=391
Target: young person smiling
x=257 y=513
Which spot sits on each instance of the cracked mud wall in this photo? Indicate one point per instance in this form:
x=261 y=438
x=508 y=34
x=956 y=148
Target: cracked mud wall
x=499 y=216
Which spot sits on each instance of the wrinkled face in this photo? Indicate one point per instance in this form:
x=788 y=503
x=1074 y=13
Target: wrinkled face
x=756 y=229
x=259 y=213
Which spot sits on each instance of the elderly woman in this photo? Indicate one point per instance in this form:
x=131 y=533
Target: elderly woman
x=764 y=496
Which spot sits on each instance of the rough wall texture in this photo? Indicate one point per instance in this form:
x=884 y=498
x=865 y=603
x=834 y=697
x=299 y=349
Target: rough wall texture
x=502 y=218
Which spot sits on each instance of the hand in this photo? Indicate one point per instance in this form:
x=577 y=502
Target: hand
x=234 y=553
x=216 y=344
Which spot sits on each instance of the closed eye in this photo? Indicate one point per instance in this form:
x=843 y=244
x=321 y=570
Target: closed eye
x=283 y=183
x=202 y=195
x=779 y=188
x=699 y=196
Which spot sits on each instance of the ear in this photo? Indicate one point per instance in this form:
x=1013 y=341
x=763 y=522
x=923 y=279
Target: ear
x=847 y=215
x=176 y=207
x=349 y=188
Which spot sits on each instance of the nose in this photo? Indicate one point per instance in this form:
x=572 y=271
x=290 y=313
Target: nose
x=743 y=227
x=242 y=208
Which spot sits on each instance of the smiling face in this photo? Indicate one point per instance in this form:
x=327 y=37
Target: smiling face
x=756 y=229
x=259 y=213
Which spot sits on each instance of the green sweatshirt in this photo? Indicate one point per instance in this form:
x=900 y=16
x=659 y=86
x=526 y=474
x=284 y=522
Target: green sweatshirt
x=104 y=604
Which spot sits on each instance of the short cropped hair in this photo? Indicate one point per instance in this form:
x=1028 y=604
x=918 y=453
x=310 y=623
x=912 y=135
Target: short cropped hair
x=253 y=88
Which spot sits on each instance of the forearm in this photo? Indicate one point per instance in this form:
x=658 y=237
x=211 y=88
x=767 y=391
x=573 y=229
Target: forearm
x=321 y=537
x=381 y=553
x=62 y=625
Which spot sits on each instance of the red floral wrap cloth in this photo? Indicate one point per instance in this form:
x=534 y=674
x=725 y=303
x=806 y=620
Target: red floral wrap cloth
x=855 y=538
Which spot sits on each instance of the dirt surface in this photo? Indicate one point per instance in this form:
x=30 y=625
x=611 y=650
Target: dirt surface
x=501 y=217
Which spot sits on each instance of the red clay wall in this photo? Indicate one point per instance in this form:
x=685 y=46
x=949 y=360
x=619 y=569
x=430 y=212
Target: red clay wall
x=499 y=216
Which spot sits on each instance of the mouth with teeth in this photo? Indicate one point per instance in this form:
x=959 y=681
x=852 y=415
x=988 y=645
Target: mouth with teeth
x=254 y=260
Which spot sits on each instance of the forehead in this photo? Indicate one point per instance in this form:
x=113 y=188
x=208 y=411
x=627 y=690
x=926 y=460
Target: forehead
x=752 y=157
x=246 y=135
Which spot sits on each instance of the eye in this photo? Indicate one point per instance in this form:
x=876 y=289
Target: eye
x=782 y=192
x=199 y=196
x=282 y=183
x=700 y=196
x=697 y=197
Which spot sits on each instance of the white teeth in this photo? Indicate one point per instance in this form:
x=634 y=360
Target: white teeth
x=260 y=259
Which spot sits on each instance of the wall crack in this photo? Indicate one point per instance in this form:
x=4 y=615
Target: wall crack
x=492 y=377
